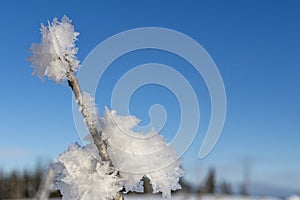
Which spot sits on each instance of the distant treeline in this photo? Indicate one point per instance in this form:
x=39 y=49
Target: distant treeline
x=26 y=184
x=16 y=184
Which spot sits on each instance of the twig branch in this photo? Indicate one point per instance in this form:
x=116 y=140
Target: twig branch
x=95 y=133
x=46 y=186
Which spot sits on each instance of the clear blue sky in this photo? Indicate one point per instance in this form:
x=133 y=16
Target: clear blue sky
x=255 y=45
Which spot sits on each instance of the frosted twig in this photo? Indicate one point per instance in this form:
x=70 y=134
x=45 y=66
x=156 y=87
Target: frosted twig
x=47 y=185
x=100 y=143
x=96 y=134
x=126 y=155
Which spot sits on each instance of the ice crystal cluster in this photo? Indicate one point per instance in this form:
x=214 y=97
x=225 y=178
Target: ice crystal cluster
x=82 y=176
x=80 y=173
x=90 y=112
x=56 y=52
x=136 y=155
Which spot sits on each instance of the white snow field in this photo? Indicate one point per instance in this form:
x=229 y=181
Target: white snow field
x=195 y=197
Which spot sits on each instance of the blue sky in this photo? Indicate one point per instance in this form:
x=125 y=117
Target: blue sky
x=255 y=45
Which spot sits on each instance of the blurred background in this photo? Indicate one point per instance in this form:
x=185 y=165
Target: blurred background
x=255 y=45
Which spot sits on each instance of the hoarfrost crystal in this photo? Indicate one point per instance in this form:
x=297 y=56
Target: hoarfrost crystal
x=55 y=56
x=136 y=155
x=90 y=112
x=81 y=176
x=80 y=173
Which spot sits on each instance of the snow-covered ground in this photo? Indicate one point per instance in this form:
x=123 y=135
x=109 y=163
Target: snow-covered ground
x=194 y=197
x=207 y=197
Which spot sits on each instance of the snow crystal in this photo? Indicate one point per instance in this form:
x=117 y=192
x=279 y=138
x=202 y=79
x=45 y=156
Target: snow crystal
x=81 y=176
x=166 y=179
x=55 y=56
x=136 y=155
x=90 y=112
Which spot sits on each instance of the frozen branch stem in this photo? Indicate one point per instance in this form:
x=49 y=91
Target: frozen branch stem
x=96 y=134
x=100 y=143
x=55 y=58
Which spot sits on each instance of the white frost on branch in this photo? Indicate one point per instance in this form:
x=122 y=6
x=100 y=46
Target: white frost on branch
x=81 y=176
x=55 y=56
x=136 y=155
x=80 y=172
x=90 y=112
